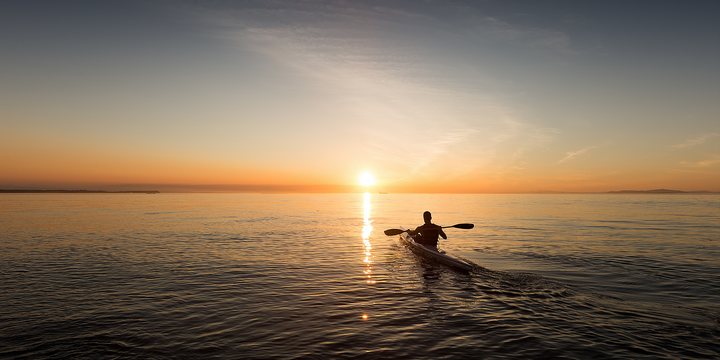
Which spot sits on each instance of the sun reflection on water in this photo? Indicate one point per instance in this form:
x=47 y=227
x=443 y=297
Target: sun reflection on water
x=367 y=246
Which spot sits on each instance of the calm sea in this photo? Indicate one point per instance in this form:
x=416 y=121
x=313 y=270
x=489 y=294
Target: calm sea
x=290 y=276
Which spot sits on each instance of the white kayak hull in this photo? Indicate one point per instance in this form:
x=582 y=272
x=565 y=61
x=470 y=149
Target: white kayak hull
x=434 y=255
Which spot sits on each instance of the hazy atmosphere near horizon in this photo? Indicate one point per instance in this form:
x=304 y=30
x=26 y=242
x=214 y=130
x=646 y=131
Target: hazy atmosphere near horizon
x=429 y=96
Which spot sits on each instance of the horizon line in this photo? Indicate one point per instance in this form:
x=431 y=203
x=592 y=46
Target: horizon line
x=304 y=189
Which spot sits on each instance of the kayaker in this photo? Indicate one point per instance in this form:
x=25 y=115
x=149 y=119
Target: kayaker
x=427 y=233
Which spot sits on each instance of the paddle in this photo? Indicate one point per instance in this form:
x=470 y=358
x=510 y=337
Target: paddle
x=392 y=232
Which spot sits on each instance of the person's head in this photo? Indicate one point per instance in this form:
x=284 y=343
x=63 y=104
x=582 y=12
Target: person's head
x=427 y=216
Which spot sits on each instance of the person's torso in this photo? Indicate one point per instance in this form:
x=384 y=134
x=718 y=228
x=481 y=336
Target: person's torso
x=429 y=234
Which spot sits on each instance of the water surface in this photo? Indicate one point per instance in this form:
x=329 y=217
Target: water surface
x=312 y=276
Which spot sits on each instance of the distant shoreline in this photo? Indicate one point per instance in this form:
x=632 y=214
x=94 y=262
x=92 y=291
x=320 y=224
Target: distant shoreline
x=6 y=191
x=258 y=191
x=659 y=191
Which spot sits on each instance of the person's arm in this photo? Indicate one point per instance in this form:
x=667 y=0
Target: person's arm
x=442 y=233
x=413 y=232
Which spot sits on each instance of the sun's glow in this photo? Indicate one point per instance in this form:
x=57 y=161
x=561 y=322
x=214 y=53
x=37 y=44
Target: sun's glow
x=366 y=179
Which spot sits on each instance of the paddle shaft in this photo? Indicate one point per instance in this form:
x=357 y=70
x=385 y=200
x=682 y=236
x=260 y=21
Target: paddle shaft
x=392 y=232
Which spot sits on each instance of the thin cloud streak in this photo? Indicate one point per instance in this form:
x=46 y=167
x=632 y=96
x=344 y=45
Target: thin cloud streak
x=536 y=38
x=696 y=140
x=705 y=163
x=441 y=146
x=570 y=155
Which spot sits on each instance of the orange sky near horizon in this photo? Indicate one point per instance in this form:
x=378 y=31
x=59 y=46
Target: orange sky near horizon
x=54 y=164
x=48 y=161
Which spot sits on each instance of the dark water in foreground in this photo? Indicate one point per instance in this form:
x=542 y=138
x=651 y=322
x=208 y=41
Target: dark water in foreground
x=312 y=276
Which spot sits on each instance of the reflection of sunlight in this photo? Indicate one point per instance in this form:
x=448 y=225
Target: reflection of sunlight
x=366 y=230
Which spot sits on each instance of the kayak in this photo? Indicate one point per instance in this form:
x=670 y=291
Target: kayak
x=434 y=255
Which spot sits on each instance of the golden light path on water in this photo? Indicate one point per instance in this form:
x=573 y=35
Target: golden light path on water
x=367 y=246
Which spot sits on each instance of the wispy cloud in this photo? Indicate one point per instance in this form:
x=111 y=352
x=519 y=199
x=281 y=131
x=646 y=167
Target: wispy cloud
x=704 y=163
x=420 y=109
x=699 y=140
x=312 y=36
x=532 y=37
x=440 y=146
x=570 y=155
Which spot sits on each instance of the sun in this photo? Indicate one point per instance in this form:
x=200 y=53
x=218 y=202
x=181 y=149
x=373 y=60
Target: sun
x=366 y=179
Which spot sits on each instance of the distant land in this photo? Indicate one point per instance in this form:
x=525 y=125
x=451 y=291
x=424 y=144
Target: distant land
x=183 y=188
x=659 y=191
x=29 y=191
x=292 y=189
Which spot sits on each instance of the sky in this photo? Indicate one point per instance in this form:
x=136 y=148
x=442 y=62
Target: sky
x=428 y=96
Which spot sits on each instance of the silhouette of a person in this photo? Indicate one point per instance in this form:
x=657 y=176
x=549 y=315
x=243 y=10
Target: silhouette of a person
x=427 y=233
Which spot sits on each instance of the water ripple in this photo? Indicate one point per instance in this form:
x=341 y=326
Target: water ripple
x=227 y=275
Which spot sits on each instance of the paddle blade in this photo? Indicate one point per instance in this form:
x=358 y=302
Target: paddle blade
x=393 y=232
x=464 y=226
